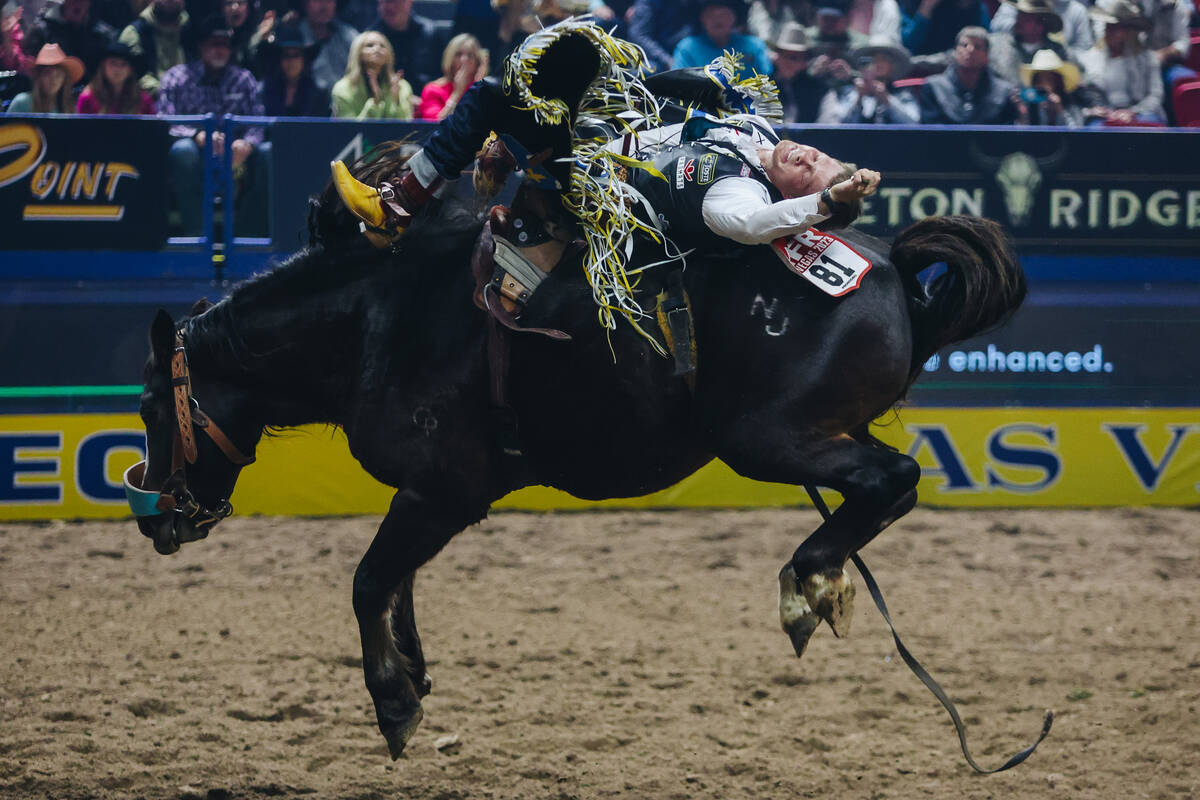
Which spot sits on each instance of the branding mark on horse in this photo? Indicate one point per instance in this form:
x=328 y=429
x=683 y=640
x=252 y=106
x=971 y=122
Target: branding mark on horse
x=424 y=419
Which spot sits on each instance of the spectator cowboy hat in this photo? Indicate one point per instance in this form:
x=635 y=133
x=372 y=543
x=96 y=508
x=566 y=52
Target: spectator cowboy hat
x=1048 y=61
x=1120 y=12
x=1042 y=8
x=288 y=36
x=900 y=58
x=793 y=38
x=125 y=53
x=215 y=27
x=51 y=55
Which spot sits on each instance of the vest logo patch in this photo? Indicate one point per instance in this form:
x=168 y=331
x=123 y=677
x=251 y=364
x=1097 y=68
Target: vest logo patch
x=708 y=169
x=685 y=169
x=745 y=173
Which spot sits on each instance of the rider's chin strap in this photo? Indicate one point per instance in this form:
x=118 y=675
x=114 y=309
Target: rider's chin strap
x=918 y=670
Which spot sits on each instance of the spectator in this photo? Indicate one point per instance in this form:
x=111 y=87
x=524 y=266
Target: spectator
x=931 y=26
x=69 y=24
x=872 y=98
x=115 y=89
x=967 y=93
x=413 y=39
x=12 y=57
x=658 y=26
x=332 y=39
x=767 y=17
x=1049 y=95
x=463 y=63
x=799 y=93
x=720 y=21
x=371 y=87
x=54 y=75
x=1077 y=33
x=1036 y=20
x=1169 y=36
x=117 y=14
x=834 y=40
x=238 y=20
x=483 y=21
x=1124 y=86
x=878 y=20
x=211 y=85
x=156 y=38
x=289 y=89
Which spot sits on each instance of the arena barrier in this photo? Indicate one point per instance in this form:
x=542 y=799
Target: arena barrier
x=1090 y=397
x=71 y=466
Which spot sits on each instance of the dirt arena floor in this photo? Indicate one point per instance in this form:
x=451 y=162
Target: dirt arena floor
x=597 y=655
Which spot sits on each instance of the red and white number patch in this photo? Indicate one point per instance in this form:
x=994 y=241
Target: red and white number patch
x=824 y=260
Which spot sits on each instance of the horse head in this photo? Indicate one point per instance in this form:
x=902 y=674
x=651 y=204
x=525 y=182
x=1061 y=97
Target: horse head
x=182 y=488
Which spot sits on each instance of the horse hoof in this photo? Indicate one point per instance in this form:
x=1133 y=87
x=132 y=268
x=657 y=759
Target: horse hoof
x=397 y=731
x=831 y=597
x=795 y=616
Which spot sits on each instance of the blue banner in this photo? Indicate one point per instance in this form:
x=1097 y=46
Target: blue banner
x=87 y=183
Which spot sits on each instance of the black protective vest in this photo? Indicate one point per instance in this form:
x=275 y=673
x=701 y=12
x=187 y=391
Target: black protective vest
x=692 y=169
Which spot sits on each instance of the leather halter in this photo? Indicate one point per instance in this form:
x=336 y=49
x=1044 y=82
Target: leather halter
x=174 y=494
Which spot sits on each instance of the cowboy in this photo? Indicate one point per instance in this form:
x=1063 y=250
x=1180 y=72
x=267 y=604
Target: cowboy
x=799 y=92
x=870 y=99
x=786 y=187
x=1036 y=21
x=1049 y=94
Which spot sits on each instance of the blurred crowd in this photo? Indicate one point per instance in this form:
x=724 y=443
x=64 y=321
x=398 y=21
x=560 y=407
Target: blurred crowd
x=980 y=62
x=1033 y=62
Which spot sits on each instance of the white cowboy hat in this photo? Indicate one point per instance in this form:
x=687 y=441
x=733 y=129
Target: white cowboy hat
x=1048 y=61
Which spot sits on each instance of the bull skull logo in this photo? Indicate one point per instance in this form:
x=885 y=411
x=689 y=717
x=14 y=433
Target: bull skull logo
x=1019 y=176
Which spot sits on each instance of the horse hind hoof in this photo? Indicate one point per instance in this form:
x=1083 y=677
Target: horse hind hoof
x=831 y=596
x=397 y=732
x=795 y=616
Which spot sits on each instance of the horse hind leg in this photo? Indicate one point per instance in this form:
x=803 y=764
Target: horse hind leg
x=393 y=662
x=878 y=486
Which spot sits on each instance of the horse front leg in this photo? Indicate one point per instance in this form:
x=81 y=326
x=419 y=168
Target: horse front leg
x=878 y=486
x=412 y=532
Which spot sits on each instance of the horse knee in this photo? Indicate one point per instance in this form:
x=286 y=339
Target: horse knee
x=884 y=484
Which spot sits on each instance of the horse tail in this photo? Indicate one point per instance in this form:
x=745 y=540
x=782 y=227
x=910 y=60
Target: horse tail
x=982 y=287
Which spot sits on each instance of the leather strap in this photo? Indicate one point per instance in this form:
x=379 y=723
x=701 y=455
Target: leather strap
x=181 y=387
x=920 y=671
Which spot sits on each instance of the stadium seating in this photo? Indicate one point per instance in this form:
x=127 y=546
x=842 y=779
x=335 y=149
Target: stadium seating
x=1186 y=99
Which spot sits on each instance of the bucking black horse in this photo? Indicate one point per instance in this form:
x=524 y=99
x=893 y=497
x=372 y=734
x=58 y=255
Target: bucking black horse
x=389 y=346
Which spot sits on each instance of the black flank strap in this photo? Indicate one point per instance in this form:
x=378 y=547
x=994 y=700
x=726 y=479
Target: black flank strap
x=918 y=670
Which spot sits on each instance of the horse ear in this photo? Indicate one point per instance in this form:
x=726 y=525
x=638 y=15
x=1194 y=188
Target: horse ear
x=200 y=306
x=162 y=337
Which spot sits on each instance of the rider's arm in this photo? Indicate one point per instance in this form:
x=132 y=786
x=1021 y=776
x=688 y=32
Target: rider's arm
x=741 y=209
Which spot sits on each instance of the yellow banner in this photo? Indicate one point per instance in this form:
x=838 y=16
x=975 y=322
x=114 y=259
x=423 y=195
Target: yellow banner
x=71 y=466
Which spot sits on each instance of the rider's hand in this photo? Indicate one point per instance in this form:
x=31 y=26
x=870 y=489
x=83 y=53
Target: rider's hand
x=862 y=183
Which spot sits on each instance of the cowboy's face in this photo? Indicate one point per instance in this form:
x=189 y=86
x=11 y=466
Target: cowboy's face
x=798 y=170
x=1115 y=36
x=291 y=62
x=718 y=22
x=51 y=79
x=1029 y=28
x=215 y=52
x=971 y=52
x=374 y=52
x=789 y=64
x=116 y=70
x=880 y=68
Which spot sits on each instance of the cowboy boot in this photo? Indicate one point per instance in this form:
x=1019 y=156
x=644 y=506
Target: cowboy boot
x=385 y=212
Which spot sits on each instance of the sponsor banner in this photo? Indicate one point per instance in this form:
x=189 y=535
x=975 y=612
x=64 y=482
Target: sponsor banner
x=71 y=466
x=83 y=183
x=1135 y=191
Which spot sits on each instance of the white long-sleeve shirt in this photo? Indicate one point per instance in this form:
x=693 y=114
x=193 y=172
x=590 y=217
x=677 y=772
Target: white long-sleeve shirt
x=737 y=208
